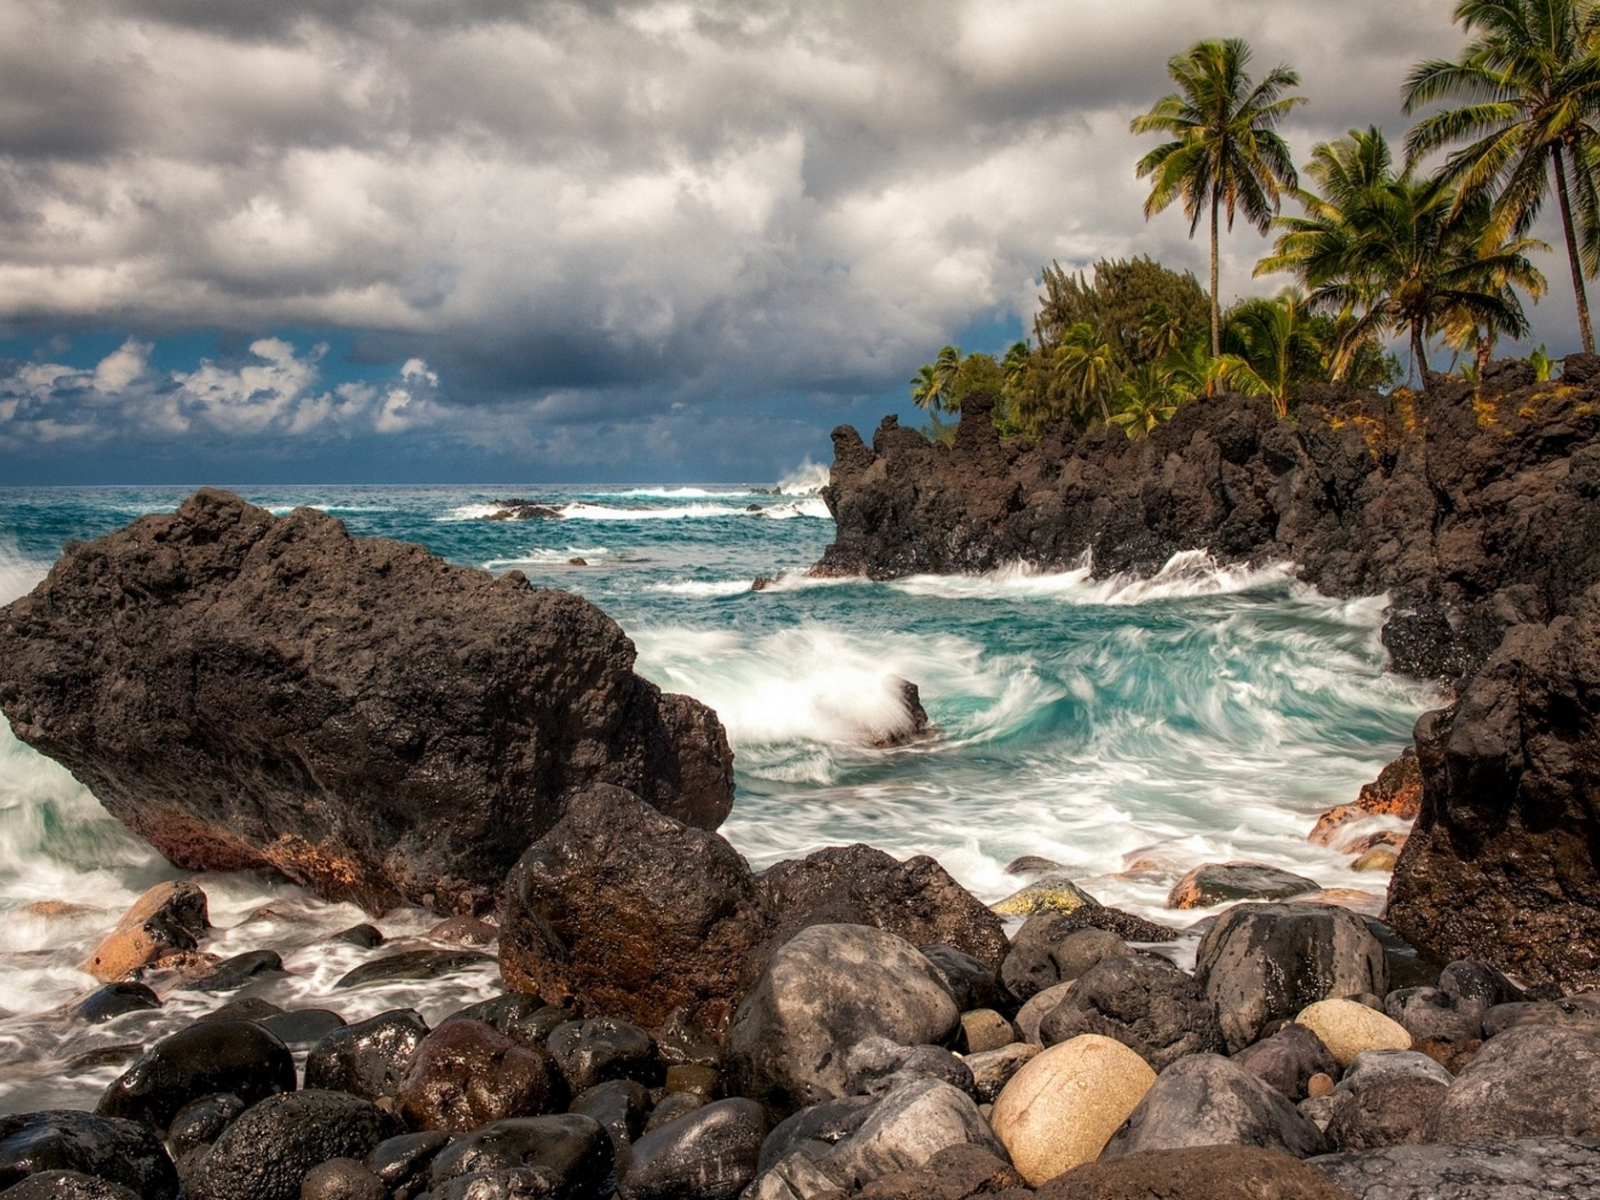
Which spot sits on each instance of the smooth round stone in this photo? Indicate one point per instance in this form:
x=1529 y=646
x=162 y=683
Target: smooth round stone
x=985 y=1029
x=1319 y=1085
x=342 y=1179
x=113 y=1000
x=710 y=1154
x=1347 y=1028
x=1063 y=1106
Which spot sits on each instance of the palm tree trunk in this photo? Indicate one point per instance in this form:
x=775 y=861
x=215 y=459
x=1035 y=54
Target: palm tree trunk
x=1485 y=350
x=1585 y=329
x=1216 y=311
x=1418 y=362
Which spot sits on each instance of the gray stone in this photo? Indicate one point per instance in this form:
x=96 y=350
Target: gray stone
x=1429 y=1012
x=1524 y=1169
x=1038 y=1007
x=876 y=1066
x=1532 y=1081
x=993 y=1069
x=1288 y=1059
x=1465 y=980
x=1572 y=1012
x=1218 y=883
x=1390 y=1111
x=1207 y=1100
x=1147 y=1004
x=1265 y=962
x=1051 y=948
x=908 y=1127
x=820 y=1127
x=1375 y=1066
x=972 y=983
x=824 y=991
x=570 y=1153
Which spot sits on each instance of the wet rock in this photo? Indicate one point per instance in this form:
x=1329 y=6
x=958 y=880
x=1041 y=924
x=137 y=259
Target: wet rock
x=825 y=990
x=972 y=984
x=1062 y=1107
x=1266 y=962
x=1397 y=792
x=267 y=1152
x=368 y=937
x=1347 y=1029
x=201 y=1122
x=342 y=1179
x=466 y=1074
x=673 y=1106
x=113 y=1000
x=710 y=1154
x=821 y=1126
x=1531 y=1081
x=108 y=1148
x=1289 y=1060
x=1032 y=864
x=1378 y=858
x=568 y=1154
x=621 y=911
x=1053 y=893
x=1484 y=1169
x=1206 y=1100
x=243 y=1008
x=1148 y=1005
x=379 y=724
x=1196 y=1173
x=907 y=1128
x=168 y=917
x=302 y=1026
x=67 y=1185
x=524 y=1018
x=231 y=974
x=413 y=964
x=594 y=1051
x=1507 y=832
x=367 y=1059
x=1467 y=982
x=876 y=1066
x=915 y=900
x=464 y=931
x=401 y=1162
x=1221 y=883
x=908 y=723
x=705 y=1082
x=993 y=1069
x=201 y=1060
x=620 y=1106
x=1051 y=949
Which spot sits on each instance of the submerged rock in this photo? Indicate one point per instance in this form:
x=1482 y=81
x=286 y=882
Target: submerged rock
x=168 y=918
x=1219 y=883
x=249 y=691
x=1053 y=893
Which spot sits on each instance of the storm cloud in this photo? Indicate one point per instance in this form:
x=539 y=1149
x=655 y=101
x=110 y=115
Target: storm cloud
x=571 y=216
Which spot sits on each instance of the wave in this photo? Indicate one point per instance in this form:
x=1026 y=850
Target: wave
x=19 y=575
x=546 y=558
x=701 y=588
x=1186 y=575
x=813 y=508
x=807 y=479
x=678 y=493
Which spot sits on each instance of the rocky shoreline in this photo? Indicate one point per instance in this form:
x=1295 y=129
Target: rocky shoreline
x=673 y=1024
x=1476 y=510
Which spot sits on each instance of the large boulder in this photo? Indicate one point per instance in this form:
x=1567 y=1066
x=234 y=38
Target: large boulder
x=1147 y=1004
x=108 y=1148
x=622 y=911
x=1196 y=1173
x=466 y=1074
x=203 y=1059
x=825 y=990
x=1502 y=865
x=1483 y=1169
x=1530 y=1081
x=1265 y=962
x=268 y=1151
x=378 y=725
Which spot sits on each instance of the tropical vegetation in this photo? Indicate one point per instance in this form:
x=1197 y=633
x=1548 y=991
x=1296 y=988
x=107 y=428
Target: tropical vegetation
x=1384 y=251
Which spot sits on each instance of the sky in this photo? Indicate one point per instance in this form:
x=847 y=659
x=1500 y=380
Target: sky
x=525 y=241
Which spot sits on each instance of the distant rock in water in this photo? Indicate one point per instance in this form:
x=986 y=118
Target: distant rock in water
x=524 y=510
x=378 y=725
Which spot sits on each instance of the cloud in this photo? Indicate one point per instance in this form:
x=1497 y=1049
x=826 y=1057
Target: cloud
x=632 y=203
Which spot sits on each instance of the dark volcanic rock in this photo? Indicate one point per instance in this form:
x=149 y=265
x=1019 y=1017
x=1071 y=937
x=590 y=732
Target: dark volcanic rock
x=201 y=1122
x=570 y=1153
x=247 y=691
x=113 y=1000
x=625 y=912
x=1147 y=1004
x=105 y=1147
x=205 y=1058
x=1504 y=862
x=67 y=1185
x=857 y=885
x=1288 y=1059
x=412 y=964
x=1051 y=948
x=593 y=1051
x=710 y=1154
x=267 y=1152
x=1218 y=883
x=369 y=1058
x=1265 y=962
x=466 y=1074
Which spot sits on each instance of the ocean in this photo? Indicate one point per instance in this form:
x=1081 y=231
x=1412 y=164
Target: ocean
x=1127 y=729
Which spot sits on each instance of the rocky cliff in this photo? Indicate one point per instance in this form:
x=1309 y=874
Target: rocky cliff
x=243 y=690
x=1476 y=510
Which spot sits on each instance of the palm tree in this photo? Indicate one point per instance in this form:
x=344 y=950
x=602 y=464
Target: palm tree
x=1532 y=85
x=1144 y=399
x=1272 y=347
x=1388 y=253
x=934 y=383
x=1085 y=362
x=1226 y=154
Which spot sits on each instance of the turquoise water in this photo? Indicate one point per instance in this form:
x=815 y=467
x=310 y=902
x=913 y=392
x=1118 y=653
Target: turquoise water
x=1203 y=715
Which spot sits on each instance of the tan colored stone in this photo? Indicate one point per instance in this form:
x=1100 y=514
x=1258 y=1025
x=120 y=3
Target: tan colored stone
x=985 y=1029
x=1347 y=1028
x=56 y=908
x=1397 y=792
x=705 y=1082
x=1319 y=1084
x=1063 y=1106
x=1385 y=837
x=1379 y=858
x=168 y=919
